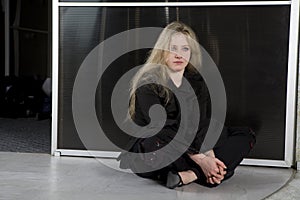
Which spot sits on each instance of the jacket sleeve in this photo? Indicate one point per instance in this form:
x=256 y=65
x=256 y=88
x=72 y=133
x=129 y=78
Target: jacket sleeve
x=145 y=97
x=204 y=103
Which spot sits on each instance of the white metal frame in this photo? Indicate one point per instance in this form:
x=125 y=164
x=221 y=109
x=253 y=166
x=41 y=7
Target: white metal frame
x=55 y=53
x=152 y=4
x=291 y=84
x=291 y=106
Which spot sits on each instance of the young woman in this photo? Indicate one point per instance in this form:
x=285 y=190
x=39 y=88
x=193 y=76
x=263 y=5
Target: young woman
x=170 y=64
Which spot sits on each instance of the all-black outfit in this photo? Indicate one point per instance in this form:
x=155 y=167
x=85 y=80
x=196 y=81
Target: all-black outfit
x=233 y=145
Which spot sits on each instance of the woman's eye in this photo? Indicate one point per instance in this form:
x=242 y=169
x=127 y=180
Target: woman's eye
x=185 y=49
x=173 y=48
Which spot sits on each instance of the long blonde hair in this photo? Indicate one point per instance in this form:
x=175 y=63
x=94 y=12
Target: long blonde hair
x=155 y=65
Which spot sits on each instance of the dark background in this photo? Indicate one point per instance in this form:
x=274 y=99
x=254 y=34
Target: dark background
x=249 y=44
x=32 y=55
x=23 y=125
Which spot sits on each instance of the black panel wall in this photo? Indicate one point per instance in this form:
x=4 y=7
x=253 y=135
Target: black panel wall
x=249 y=44
x=2 y=43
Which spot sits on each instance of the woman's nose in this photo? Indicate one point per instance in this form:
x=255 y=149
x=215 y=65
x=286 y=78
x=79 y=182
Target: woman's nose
x=178 y=56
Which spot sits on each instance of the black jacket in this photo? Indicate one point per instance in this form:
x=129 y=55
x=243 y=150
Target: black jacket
x=150 y=94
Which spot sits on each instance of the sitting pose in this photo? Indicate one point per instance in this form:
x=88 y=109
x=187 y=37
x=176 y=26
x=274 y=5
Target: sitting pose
x=173 y=61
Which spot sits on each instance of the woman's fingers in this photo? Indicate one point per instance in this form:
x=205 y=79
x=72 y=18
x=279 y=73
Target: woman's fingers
x=222 y=171
x=220 y=163
x=212 y=167
x=213 y=180
x=217 y=172
x=210 y=180
x=218 y=176
x=214 y=170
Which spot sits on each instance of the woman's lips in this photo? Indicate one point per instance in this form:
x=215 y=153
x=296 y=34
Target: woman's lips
x=178 y=62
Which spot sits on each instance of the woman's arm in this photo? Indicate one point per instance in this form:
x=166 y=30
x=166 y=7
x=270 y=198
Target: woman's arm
x=147 y=96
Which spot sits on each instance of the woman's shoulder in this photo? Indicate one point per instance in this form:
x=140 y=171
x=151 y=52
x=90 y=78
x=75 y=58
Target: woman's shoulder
x=198 y=83
x=193 y=75
x=149 y=87
x=149 y=81
x=196 y=80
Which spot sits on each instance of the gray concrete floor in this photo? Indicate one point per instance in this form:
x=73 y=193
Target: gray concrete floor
x=291 y=191
x=41 y=176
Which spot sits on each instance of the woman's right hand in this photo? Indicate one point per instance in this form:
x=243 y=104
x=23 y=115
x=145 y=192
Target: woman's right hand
x=213 y=168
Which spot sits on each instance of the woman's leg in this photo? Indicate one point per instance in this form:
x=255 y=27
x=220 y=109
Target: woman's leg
x=182 y=164
x=188 y=171
x=233 y=147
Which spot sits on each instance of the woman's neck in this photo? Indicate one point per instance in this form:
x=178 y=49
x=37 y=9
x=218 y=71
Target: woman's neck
x=176 y=77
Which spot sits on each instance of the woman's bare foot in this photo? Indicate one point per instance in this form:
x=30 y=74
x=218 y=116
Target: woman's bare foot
x=187 y=176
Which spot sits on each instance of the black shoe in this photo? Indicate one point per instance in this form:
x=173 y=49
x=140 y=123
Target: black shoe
x=173 y=180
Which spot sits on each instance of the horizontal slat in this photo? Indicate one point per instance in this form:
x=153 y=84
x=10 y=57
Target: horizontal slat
x=137 y=4
x=113 y=155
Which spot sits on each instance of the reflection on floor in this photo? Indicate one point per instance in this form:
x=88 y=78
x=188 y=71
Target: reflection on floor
x=41 y=176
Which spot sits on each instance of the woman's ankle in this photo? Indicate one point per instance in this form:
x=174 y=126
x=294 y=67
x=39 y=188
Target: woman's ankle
x=187 y=176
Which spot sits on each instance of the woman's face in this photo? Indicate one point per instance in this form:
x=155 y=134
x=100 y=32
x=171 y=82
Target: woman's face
x=179 y=53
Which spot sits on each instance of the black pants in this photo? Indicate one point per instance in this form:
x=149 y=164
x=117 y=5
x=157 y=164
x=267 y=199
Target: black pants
x=233 y=145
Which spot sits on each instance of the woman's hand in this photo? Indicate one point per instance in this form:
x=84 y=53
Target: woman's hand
x=210 y=153
x=222 y=170
x=213 y=168
x=217 y=180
